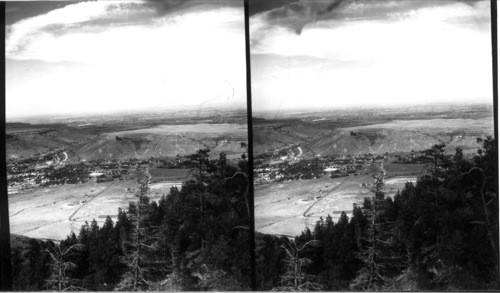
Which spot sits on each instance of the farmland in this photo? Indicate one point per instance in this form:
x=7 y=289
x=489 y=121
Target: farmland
x=286 y=208
x=313 y=164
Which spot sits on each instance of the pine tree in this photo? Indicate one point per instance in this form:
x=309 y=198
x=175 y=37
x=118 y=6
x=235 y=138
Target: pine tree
x=377 y=241
x=485 y=188
x=201 y=159
x=141 y=244
x=60 y=265
x=37 y=268
x=440 y=161
x=294 y=278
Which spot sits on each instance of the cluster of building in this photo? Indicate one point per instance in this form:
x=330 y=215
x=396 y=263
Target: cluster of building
x=272 y=169
x=54 y=168
x=47 y=171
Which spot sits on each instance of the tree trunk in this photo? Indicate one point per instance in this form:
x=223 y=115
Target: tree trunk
x=60 y=279
x=296 y=286
x=138 y=246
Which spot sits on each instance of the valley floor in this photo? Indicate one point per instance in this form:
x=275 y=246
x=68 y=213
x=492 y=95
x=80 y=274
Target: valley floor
x=287 y=208
x=53 y=212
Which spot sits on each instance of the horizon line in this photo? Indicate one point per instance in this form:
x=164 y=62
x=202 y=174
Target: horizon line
x=371 y=106
x=69 y=115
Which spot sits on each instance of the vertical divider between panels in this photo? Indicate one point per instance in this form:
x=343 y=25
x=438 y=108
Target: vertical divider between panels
x=253 y=283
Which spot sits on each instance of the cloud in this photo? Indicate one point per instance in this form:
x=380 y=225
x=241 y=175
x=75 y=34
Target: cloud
x=295 y=17
x=11 y=9
x=81 y=17
x=163 y=7
x=257 y=6
x=374 y=52
x=108 y=56
x=332 y=37
x=89 y=18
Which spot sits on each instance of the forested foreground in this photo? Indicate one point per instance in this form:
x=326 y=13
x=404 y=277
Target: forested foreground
x=438 y=234
x=195 y=238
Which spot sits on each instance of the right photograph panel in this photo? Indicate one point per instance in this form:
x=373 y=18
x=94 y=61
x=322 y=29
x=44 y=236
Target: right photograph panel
x=375 y=165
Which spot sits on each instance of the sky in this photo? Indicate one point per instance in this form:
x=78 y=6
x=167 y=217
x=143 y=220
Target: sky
x=97 y=57
x=362 y=53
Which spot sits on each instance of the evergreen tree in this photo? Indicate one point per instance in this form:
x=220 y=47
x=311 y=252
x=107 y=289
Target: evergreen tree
x=294 y=278
x=37 y=263
x=377 y=244
x=201 y=160
x=60 y=265
x=269 y=261
x=139 y=247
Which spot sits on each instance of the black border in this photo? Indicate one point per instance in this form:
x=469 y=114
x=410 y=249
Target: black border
x=6 y=271
x=494 y=61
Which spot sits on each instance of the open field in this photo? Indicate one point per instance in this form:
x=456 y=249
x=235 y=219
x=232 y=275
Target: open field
x=200 y=130
x=440 y=125
x=287 y=208
x=164 y=174
x=54 y=212
x=404 y=169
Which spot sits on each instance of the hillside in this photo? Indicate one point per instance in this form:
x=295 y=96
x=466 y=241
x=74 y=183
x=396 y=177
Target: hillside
x=24 y=140
x=146 y=146
x=404 y=136
x=269 y=134
x=392 y=136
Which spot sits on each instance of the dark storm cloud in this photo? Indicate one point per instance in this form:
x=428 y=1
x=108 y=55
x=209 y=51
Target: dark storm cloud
x=167 y=6
x=298 y=14
x=114 y=14
x=117 y=13
x=257 y=6
x=163 y=7
x=18 y=10
x=54 y=23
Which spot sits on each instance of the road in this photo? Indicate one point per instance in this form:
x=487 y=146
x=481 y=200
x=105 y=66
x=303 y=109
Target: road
x=305 y=214
x=80 y=207
x=321 y=198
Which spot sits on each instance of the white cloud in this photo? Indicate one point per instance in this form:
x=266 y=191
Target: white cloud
x=422 y=55
x=184 y=58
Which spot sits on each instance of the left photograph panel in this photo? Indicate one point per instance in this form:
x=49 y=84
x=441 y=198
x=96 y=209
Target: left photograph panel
x=126 y=141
